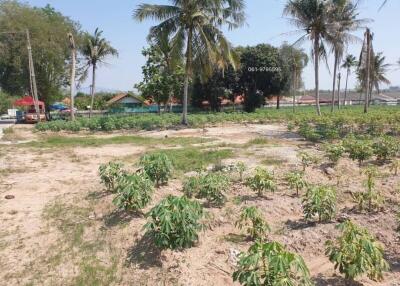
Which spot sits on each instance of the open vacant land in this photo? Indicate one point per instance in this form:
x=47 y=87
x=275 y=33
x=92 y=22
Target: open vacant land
x=61 y=227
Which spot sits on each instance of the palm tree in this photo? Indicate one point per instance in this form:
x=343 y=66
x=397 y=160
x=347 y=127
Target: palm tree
x=378 y=73
x=343 y=21
x=95 y=50
x=196 y=26
x=348 y=64
x=312 y=19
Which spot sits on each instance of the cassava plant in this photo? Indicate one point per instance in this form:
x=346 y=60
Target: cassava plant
x=371 y=199
x=134 y=192
x=296 y=181
x=334 y=152
x=241 y=168
x=386 y=148
x=320 y=201
x=210 y=186
x=359 y=150
x=110 y=174
x=158 y=167
x=306 y=159
x=252 y=219
x=355 y=253
x=262 y=181
x=270 y=263
x=175 y=222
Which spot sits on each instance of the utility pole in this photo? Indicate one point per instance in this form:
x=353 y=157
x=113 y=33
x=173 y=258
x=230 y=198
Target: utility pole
x=32 y=76
x=72 y=81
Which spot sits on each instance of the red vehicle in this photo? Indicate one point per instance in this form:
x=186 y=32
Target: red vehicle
x=30 y=113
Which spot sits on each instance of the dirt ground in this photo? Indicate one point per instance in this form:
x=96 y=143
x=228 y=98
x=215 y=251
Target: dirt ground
x=61 y=228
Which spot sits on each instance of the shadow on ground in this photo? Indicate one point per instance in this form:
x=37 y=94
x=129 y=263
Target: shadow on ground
x=144 y=254
x=120 y=217
x=334 y=281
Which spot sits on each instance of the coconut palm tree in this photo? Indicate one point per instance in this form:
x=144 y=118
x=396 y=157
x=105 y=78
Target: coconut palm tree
x=343 y=22
x=311 y=17
x=348 y=64
x=95 y=50
x=379 y=70
x=196 y=26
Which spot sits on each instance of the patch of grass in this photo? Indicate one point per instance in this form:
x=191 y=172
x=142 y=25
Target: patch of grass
x=191 y=158
x=56 y=141
x=93 y=272
x=257 y=141
x=9 y=134
x=235 y=238
x=273 y=161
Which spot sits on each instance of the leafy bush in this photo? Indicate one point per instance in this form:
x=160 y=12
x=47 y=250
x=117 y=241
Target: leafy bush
x=134 y=192
x=359 y=149
x=296 y=181
x=158 y=167
x=110 y=174
x=334 y=152
x=306 y=159
x=371 y=199
x=207 y=186
x=252 y=219
x=271 y=264
x=175 y=222
x=386 y=147
x=262 y=181
x=241 y=168
x=355 y=253
x=320 y=201
x=308 y=132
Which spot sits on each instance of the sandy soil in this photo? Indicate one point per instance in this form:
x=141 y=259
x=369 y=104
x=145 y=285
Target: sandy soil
x=61 y=228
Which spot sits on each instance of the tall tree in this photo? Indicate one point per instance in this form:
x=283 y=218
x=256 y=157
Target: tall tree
x=364 y=66
x=50 y=49
x=95 y=50
x=196 y=26
x=297 y=60
x=379 y=70
x=312 y=19
x=73 y=74
x=348 y=64
x=343 y=21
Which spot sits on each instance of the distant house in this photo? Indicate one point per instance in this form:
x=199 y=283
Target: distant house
x=126 y=100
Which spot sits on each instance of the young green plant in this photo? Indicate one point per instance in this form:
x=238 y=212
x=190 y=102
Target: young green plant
x=262 y=181
x=252 y=219
x=320 y=201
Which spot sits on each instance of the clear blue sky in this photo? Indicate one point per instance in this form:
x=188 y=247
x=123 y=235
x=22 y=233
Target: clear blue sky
x=265 y=24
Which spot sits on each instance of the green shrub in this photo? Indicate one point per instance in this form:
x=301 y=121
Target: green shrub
x=296 y=181
x=252 y=219
x=309 y=133
x=261 y=181
x=158 y=167
x=371 y=199
x=355 y=253
x=359 y=149
x=110 y=174
x=320 y=201
x=211 y=187
x=386 y=147
x=306 y=159
x=241 y=168
x=134 y=192
x=175 y=222
x=271 y=264
x=334 y=152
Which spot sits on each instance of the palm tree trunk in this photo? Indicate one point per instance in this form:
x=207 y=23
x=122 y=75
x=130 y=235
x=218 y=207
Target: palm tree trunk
x=187 y=75
x=294 y=89
x=93 y=89
x=278 y=102
x=339 y=80
x=334 y=83
x=345 y=91
x=368 y=72
x=72 y=83
x=316 y=66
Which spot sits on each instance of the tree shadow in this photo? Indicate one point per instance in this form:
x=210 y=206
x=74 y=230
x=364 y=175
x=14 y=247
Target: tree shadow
x=119 y=217
x=394 y=262
x=97 y=195
x=299 y=224
x=144 y=253
x=334 y=281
